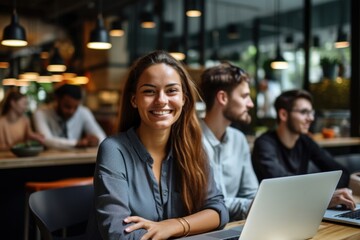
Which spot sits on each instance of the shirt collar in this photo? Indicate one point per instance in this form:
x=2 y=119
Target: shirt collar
x=140 y=148
x=209 y=135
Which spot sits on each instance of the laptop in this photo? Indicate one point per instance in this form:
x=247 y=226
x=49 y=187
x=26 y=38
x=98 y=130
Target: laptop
x=284 y=208
x=341 y=215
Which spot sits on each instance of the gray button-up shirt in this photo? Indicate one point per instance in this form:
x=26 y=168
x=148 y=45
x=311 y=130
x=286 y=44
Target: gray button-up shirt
x=233 y=171
x=126 y=186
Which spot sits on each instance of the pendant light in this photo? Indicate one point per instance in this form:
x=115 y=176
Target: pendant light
x=56 y=62
x=278 y=62
x=14 y=35
x=99 y=37
x=193 y=8
x=175 y=51
x=11 y=78
x=341 y=39
x=116 y=29
x=147 y=20
x=232 y=31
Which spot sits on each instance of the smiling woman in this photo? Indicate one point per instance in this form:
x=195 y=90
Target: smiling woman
x=159 y=97
x=150 y=181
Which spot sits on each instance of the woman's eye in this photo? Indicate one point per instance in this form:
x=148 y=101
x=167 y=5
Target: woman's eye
x=173 y=90
x=148 y=91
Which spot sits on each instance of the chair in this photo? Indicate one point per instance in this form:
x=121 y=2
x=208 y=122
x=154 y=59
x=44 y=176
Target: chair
x=31 y=187
x=60 y=208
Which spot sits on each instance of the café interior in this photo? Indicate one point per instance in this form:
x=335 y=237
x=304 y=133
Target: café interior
x=92 y=43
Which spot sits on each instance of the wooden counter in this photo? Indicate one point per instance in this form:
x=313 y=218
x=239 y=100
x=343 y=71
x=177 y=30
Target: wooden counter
x=338 y=142
x=48 y=158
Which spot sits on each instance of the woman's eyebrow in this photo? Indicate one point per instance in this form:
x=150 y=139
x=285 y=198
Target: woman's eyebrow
x=151 y=85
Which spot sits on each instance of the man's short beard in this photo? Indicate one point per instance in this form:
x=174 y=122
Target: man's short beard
x=235 y=118
x=290 y=126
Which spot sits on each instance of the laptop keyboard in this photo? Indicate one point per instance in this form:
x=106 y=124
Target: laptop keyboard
x=351 y=214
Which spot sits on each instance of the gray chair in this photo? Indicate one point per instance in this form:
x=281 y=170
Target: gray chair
x=58 y=209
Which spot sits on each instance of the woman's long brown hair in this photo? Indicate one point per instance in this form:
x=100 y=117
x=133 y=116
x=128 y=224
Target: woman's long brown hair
x=185 y=137
x=11 y=95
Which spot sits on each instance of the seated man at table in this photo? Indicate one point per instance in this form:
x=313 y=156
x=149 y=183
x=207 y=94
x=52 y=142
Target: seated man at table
x=288 y=149
x=226 y=93
x=66 y=123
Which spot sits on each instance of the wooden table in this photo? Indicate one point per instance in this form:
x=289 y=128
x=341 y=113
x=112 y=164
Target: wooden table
x=327 y=231
x=48 y=158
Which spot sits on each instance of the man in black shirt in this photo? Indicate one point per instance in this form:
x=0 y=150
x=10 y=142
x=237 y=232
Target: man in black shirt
x=288 y=150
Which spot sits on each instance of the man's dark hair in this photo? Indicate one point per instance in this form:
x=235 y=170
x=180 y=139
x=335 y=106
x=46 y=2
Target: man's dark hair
x=286 y=100
x=73 y=91
x=223 y=77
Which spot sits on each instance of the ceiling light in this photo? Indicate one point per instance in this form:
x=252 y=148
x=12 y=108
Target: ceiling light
x=9 y=82
x=14 y=34
x=99 y=37
x=147 y=20
x=178 y=55
x=176 y=52
x=116 y=29
x=44 y=75
x=232 y=31
x=193 y=8
x=279 y=62
x=56 y=62
x=341 y=41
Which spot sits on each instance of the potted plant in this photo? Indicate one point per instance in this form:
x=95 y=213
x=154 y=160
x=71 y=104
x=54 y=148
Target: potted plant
x=329 y=67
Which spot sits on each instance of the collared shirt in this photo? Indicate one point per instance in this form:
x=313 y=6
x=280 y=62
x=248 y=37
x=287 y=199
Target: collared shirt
x=50 y=124
x=233 y=172
x=126 y=186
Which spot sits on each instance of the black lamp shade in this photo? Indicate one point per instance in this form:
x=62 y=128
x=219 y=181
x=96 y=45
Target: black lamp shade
x=56 y=62
x=193 y=8
x=99 y=37
x=341 y=40
x=176 y=51
x=116 y=29
x=279 y=62
x=232 y=31
x=14 y=35
x=147 y=20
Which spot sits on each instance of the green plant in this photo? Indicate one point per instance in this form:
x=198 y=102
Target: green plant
x=327 y=61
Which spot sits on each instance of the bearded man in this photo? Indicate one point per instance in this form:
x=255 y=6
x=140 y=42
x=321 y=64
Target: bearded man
x=226 y=93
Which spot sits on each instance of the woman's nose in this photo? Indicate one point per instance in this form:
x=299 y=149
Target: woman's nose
x=161 y=98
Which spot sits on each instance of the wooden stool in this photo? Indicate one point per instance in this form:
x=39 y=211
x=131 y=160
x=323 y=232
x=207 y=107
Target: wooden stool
x=31 y=187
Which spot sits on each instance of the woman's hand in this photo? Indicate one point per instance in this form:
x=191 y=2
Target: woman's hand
x=343 y=196
x=155 y=230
